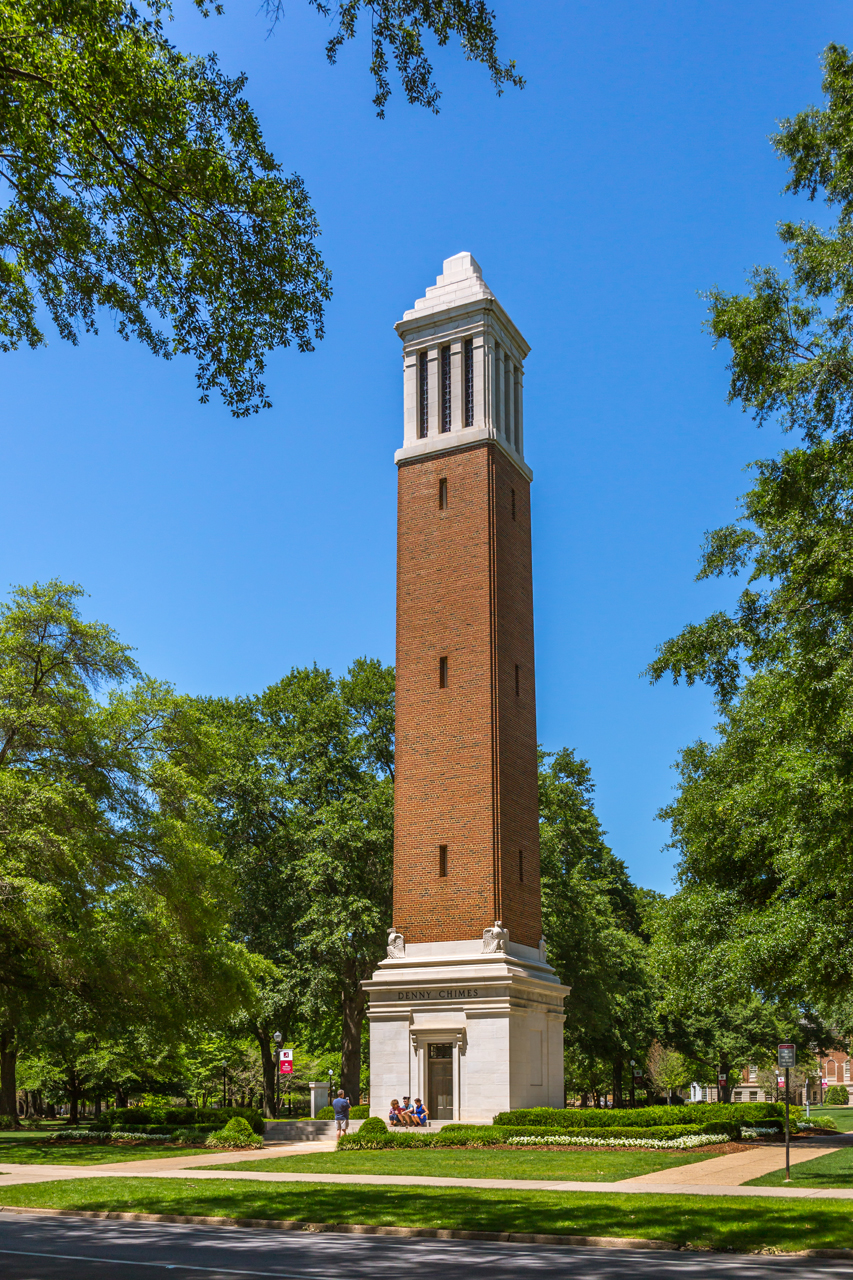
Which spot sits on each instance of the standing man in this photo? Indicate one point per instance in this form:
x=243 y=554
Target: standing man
x=341 y=1106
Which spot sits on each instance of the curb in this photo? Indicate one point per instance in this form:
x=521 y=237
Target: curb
x=357 y=1229
x=428 y=1233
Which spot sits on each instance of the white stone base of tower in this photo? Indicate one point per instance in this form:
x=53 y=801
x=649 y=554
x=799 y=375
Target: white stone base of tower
x=470 y=1032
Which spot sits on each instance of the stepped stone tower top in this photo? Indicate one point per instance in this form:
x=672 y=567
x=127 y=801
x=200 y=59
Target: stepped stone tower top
x=464 y=367
x=461 y=281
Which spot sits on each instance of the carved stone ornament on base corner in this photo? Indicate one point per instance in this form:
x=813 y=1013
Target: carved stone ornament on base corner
x=543 y=951
x=396 y=945
x=495 y=938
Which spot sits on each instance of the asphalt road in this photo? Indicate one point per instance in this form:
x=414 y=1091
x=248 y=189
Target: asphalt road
x=47 y=1248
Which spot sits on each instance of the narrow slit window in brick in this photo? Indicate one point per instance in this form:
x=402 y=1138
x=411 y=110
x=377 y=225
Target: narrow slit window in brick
x=442 y=494
x=442 y=673
x=513 y=503
x=442 y=859
x=521 y=864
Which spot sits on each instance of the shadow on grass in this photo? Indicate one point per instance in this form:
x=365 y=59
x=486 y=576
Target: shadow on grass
x=704 y=1221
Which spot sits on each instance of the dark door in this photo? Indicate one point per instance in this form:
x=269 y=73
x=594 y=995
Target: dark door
x=440 y=1081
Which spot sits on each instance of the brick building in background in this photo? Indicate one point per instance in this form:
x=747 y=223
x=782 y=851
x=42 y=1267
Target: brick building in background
x=465 y=1011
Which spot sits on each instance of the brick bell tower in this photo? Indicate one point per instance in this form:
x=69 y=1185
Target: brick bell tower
x=465 y=1012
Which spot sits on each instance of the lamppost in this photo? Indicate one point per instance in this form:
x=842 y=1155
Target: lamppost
x=224 y=1085
x=331 y=1075
x=277 y=1037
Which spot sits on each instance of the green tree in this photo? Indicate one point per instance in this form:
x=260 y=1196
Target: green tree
x=304 y=798
x=139 y=182
x=109 y=893
x=593 y=920
x=763 y=818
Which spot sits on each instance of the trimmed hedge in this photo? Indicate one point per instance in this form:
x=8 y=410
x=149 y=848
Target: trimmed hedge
x=701 y=1113
x=237 y=1133
x=194 y=1130
x=355 y=1113
x=836 y=1096
x=129 y=1118
x=462 y=1135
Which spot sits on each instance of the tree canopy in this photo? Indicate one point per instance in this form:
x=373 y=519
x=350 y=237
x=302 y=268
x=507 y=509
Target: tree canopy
x=397 y=28
x=139 y=183
x=110 y=898
x=763 y=817
x=593 y=920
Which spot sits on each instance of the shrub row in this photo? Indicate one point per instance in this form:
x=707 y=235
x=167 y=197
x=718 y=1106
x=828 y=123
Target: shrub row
x=643 y=1117
x=177 y=1117
x=361 y=1112
x=460 y=1135
x=100 y=1137
x=195 y=1130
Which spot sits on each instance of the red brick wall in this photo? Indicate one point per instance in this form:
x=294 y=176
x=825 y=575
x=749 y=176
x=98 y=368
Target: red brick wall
x=466 y=754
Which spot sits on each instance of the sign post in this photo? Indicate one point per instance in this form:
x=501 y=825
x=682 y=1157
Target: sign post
x=787 y=1059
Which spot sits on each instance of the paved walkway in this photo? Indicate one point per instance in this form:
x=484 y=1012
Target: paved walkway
x=740 y=1167
x=723 y=1175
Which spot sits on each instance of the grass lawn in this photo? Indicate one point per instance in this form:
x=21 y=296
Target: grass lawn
x=843 y=1116
x=574 y=1166
x=714 y=1222
x=833 y=1170
x=25 y=1135
x=35 y=1152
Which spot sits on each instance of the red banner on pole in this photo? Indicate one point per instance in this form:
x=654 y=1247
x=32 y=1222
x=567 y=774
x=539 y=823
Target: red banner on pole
x=285 y=1065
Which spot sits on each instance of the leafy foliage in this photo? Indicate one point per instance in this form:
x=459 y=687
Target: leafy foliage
x=140 y=182
x=837 y=1096
x=304 y=800
x=111 y=903
x=397 y=27
x=236 y=1133
x=763 y=818
x=593 y=920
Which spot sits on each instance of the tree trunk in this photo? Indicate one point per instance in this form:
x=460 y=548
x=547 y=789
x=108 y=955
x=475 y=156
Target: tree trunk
x=73 y=1087
x=352 y=1008
x=8 y=1063
x=262 y=1036
x=632 y=1091
x=617 y=1083
x=725 y=1093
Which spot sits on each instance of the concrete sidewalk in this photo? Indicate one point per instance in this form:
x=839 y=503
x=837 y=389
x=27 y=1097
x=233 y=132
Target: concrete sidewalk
x=740 y=1167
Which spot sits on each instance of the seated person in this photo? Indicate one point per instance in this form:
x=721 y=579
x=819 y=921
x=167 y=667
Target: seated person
x=409 y=1110
x=396 y=1114
x=420 y=1112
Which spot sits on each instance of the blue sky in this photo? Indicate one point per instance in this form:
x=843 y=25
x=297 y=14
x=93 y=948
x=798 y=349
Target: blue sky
x=632 y=172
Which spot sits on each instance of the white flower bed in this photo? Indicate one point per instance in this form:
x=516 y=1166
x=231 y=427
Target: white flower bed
x=757 y=1131
x=661 y=1144
x=110 y=1135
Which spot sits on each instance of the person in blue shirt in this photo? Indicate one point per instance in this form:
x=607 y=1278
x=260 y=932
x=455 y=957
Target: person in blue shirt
x=420 y=1112
x=341 y=1106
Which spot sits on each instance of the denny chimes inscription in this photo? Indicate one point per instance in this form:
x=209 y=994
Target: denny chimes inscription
x=465 y=1012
